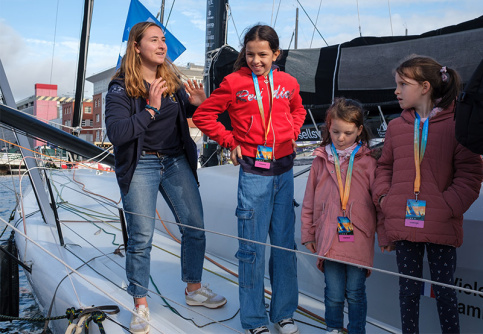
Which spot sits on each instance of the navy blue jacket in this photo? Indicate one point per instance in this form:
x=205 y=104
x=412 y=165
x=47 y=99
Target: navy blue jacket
x=127 y=121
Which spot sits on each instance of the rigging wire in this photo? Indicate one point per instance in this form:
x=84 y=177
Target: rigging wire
x=390 y=16
x=169 y=15
x=230 y=14
x=316 y=20
x=53 y=46
x=315 y=27
x=273 y=7
x=276 y=16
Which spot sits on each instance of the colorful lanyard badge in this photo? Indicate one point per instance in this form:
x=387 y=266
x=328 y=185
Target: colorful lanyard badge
x=416 y=209
x=344 y=225
x=264 y=153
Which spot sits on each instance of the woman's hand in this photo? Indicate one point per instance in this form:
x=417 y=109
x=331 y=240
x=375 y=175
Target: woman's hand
x=235 y=154
x=156 y=90
x=311 y=246
x=196 y=92
x=294 y=145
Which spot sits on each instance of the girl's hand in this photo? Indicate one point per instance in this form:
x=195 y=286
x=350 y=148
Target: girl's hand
x=388 y=249
x=156 y=90
x=311 y=247
x=235 y=154
x=294 y=145
x=196 y=92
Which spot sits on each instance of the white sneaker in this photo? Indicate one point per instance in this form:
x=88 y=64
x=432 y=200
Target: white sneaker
x=204 y=297
x=336 y=331
x=258 y=330
x=138 y=322
x=287 y=326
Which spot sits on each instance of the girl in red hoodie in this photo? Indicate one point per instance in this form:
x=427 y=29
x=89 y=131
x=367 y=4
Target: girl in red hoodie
x=425 y=181
x=266 y=114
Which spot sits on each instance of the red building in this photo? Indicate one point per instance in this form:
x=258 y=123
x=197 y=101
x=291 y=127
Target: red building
x=45 y=108
x=87 y=119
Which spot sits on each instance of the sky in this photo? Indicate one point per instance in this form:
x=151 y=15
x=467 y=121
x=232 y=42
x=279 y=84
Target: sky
x=39 y=39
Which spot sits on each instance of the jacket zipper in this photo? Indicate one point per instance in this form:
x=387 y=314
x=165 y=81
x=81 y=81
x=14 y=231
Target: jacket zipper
x=271 y=123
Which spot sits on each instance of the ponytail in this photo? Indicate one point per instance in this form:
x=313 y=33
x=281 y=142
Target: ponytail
x=445 y=82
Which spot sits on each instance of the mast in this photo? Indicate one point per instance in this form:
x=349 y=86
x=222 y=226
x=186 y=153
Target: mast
x=81 y=67
x=216 y=22
x=296 y=28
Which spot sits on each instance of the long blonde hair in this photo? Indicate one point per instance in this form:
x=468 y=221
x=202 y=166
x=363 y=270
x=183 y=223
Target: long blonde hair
x=130 y=70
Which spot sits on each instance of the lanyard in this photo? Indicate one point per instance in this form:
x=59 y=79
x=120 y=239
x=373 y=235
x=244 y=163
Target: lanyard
x=260 y=102
x=419 y=151
x=344 y=193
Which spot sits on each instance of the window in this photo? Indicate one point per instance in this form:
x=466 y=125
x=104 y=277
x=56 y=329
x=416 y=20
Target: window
x=97 y=118
x=87 y=110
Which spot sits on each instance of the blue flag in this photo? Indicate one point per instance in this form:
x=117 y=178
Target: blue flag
x=138 y=13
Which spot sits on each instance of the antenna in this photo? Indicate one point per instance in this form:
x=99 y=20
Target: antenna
x=359 y=18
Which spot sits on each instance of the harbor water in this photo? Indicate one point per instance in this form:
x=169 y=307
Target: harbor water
x=28 y=305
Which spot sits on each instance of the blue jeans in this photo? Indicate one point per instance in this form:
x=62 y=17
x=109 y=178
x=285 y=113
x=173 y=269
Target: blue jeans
x=345 y=281
x=173 y=177
x=265 y=208
x=442 y=265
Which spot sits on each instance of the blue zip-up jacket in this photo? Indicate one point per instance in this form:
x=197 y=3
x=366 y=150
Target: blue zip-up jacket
x=127 y=121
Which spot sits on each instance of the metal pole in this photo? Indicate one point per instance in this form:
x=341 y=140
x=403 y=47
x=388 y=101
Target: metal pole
x=216 y=21
x=161 y=13
x=81 y=67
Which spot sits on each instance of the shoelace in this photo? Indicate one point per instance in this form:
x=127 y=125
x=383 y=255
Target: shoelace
x=259 y=330
x=286 y=322
x=204 y=290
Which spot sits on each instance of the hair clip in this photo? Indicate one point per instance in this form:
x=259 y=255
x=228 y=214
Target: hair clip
x=444 y=74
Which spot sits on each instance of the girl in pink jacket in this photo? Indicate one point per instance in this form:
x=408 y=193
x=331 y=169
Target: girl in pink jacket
x=338 y=216
x=425 y=181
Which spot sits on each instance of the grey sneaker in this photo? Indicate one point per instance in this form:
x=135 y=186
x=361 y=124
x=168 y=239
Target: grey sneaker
x=258 y=330
x=287 y=326
x=138 y=322
x=204 y=297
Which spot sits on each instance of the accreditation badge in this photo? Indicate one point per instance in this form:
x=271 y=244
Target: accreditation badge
x=415 y=212
x=264 y=157
x=345 y=229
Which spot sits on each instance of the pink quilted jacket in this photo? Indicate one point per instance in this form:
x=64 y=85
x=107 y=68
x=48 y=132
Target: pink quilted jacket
x=321 y=206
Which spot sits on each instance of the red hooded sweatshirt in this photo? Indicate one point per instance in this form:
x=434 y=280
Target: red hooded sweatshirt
x=237 y=95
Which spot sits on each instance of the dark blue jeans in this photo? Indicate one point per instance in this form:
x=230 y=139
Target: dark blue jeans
x=173 y=177
x=345 y=281
x=442 y=264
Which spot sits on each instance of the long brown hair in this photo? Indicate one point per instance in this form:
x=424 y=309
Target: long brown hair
x=130 y=70
x=257 y=32
x=445 y=82
x=347 y=110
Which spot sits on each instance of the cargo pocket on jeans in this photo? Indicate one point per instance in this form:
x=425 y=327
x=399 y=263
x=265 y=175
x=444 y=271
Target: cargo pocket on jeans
x=246 y=268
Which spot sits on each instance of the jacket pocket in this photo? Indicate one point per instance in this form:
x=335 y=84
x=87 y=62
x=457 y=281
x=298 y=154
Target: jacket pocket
x=289 y=119
x=246 y=227
x=363 y=217
x=249 y=126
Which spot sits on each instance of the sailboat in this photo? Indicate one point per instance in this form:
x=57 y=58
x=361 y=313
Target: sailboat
x=69 y=226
